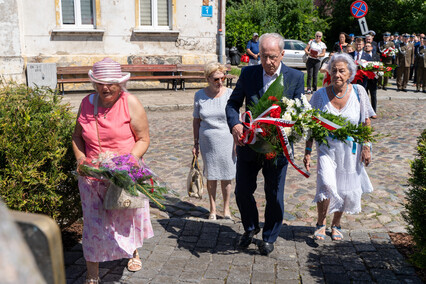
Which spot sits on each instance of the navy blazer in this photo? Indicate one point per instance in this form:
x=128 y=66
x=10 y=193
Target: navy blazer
x=364 y=56
x=249 y=87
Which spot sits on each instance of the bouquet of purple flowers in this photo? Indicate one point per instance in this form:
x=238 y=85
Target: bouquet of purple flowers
x=127 y=172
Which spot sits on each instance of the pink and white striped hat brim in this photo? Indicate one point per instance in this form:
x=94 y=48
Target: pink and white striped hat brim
x=107 y=71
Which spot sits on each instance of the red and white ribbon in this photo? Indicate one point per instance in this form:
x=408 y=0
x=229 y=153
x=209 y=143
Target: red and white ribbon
x=326 y=123
x=253 y=127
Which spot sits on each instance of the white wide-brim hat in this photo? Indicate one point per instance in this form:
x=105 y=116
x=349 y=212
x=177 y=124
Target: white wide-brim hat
x=107 y=71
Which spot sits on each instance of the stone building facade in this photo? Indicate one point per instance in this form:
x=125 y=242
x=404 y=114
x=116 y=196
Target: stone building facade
x=81 y=32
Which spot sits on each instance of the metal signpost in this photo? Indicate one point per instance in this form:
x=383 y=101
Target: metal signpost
x=359 y=9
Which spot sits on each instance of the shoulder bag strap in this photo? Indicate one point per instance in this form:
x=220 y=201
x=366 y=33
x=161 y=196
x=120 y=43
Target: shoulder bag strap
x=95 y=114
x=359 y=100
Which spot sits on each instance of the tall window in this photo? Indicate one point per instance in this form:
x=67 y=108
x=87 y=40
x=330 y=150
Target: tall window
x=78 y=13
x=155 y=14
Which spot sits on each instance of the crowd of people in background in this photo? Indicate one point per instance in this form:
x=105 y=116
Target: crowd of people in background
x=409 y=58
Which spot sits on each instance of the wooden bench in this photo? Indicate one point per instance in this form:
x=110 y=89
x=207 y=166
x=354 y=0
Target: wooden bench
x=196 y=72
x=78 y=74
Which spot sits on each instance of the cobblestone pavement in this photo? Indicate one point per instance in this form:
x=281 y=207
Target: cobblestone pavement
x=189 y=248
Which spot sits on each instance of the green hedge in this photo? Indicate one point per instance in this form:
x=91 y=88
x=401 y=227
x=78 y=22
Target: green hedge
x=36 y=157
x=416 y=205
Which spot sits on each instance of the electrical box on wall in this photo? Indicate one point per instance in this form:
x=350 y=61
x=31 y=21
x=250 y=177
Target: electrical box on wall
x=42 y=74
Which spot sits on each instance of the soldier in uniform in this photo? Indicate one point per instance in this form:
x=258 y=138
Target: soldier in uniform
x=421 y=67
x=386 y=59
x=405 y=59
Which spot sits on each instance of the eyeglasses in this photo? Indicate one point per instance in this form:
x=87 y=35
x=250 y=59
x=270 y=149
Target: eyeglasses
x=219 y=79
x=318 y=36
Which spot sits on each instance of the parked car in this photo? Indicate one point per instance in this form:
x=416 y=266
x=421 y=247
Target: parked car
x=295 y=54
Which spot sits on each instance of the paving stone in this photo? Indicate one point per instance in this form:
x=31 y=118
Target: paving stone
x=333 y=269
x=359 y=276
x=333 y=278
x=216 y=274
x=410 y=279
x=382 y=274
x=239 y=274
x=74 y=271
x=211 y=281
x=265 y=277
x=287 y=274
x=364 y=248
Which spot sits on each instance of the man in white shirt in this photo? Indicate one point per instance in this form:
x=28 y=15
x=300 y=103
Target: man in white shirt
x=251 y=86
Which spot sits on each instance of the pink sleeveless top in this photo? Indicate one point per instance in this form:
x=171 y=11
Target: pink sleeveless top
x=114 y=127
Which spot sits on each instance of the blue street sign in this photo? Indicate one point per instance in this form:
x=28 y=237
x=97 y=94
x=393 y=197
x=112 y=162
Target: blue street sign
x=206 y=11
x=359 y=9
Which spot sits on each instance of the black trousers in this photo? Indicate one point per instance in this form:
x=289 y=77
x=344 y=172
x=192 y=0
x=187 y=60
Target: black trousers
x=312 y=66
x=249 y=164
x=372 y=89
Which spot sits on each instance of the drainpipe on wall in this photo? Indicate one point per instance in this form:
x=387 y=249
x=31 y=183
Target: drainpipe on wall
x=220 y=32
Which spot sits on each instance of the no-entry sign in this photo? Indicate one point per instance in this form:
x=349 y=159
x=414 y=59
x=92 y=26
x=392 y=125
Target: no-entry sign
x=359 y=9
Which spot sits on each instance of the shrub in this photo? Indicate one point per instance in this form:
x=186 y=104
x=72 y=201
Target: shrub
x=416 y=205
x=36 y=157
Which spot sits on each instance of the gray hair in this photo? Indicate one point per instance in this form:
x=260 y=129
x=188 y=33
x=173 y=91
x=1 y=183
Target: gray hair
x=273 y=36
x=343 y=57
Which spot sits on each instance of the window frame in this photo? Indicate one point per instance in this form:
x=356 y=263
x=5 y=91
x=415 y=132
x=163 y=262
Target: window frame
x=154 y=16
x=77 y=13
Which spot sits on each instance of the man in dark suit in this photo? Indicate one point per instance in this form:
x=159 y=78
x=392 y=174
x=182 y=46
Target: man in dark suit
x=358 y=55
x=372 y=83
x=252 y=84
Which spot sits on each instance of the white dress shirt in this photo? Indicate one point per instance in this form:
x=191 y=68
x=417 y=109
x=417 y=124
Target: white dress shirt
x=268 y=80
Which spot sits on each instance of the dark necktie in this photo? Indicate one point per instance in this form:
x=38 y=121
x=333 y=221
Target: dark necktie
x=357 y=57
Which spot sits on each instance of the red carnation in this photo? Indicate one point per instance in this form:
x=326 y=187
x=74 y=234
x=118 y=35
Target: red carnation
x=272 y=98
x=276 y=113
x=270 y=156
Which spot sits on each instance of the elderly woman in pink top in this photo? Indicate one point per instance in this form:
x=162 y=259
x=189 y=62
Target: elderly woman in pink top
x=122 y=128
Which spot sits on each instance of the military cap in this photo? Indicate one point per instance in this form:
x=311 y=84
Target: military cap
x=396 y=34
x=406 y=35
x=386 y=34
x=373 y=33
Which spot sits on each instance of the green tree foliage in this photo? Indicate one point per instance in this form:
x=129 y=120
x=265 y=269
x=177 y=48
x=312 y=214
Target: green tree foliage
x=295 y=19
x=36 y=157
x=392 y=15
x=416 y=202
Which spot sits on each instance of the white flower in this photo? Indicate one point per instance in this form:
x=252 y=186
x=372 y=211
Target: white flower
x=290 y=103
x=288 y=131
x=284 y=100
x=380 y=73
x=298 y=103
x=292 y=111
x=287 y=116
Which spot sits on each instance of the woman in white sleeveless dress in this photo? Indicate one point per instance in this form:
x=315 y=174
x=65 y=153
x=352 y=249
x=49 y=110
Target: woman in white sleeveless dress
x=341 y=175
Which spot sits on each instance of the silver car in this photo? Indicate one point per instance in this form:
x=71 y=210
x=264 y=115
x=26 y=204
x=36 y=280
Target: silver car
x=294 y=55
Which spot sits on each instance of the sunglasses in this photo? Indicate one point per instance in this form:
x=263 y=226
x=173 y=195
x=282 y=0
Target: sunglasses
x=219 y=79
x=318 y=36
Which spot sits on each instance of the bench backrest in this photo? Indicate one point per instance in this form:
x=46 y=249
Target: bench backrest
x=196 y=67
x=76 y=70
x=73 y=70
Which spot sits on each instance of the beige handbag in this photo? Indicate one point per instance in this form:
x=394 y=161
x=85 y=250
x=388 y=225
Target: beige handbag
x=194 y=181
x=117 y=197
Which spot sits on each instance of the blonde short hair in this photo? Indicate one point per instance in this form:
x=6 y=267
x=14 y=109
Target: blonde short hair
x=212 y=67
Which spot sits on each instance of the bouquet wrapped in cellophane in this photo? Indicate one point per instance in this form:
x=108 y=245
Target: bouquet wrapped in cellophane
x=276 y=121
x=127 y=172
